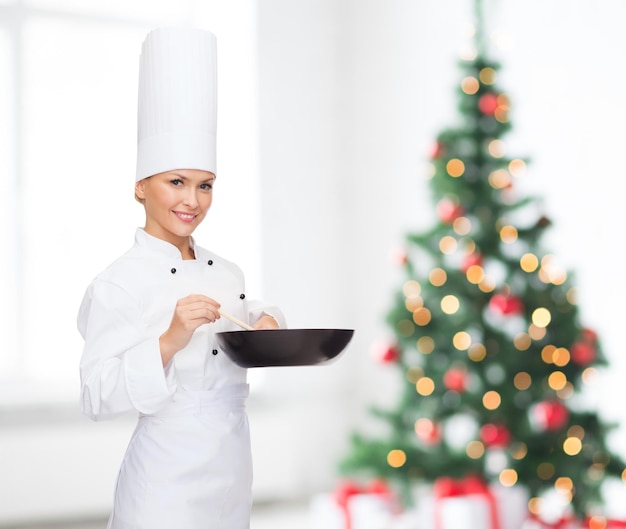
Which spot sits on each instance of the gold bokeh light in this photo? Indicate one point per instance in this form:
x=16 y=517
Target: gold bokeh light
x=477 y=352
x=560 y=357
x=462 y=340
x=508 y=234
x=425 y=386
x=508 y=477
x=522 y=342
x=566 y=391
x=557 y=380
x=487 y=76
x=487 y=284
x=547 y=353
x=396 y=458
x=422 y=316
x=576 y=431
x=475 y=449
x=413 y=303
x=572 y=446
x=470 y=85
x=455 y=167
x=535 y=505
x=597 y=522
x=541 y=317
x=564 y=484
x=551 y=271
x=438 y=277
x=589 y=375
x=572 y=295
x=475 y=274
x=450 y=304
x=405 y=328
x=413 y=374
x=496 y=148
x=502 y=113
x=411 y=288
x=462 y=226
x=545 y=470
x=448 y=245
x=518 y=450
x=536 y=333
x=517 y=167
x=425 y=345
x=499 y=179
x=492 y=400
x=522 y=381
x=529 y=262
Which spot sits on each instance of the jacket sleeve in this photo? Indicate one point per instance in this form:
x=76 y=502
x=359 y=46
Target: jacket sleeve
x=257 y=308
x=120 y=368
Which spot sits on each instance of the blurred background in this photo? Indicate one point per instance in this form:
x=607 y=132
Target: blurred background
x=328 y=110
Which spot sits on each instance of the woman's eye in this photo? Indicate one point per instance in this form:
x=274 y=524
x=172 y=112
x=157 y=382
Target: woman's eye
x=176 y=182
x=206 y=187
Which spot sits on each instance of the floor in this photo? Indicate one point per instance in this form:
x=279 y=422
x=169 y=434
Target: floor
x=263 y=517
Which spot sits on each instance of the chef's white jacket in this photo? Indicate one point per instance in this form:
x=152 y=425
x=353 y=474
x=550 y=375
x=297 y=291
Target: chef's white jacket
x=188 y=464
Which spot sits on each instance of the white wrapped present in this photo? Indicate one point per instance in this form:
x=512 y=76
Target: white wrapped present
x=354 y=507
x=471 y=503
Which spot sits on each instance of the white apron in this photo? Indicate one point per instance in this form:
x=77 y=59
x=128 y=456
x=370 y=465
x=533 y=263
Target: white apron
x=188 y=466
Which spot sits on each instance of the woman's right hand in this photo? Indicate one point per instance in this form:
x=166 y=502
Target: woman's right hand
x=190 y=312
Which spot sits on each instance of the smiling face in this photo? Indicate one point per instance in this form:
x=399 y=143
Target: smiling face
x=176 y=202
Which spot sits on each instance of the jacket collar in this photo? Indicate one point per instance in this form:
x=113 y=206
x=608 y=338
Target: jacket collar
x=155 y=244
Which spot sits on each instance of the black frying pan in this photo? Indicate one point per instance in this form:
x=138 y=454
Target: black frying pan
x=283 y=347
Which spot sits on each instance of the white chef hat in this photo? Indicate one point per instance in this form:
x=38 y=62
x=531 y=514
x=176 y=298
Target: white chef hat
x=177 y=109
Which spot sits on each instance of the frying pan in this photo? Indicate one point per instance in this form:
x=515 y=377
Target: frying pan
x=282 y=347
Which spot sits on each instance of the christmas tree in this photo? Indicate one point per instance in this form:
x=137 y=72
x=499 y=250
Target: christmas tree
x=492 y=355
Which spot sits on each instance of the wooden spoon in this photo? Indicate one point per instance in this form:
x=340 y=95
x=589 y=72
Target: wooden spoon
x=235 y=320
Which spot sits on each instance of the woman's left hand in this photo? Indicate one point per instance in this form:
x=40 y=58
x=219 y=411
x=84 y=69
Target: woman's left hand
x=266 y=322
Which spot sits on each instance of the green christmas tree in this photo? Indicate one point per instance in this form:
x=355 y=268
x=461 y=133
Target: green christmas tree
x=491 y=352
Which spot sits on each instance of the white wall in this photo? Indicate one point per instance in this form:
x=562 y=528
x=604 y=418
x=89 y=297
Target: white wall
x=352 y=93
x=352 y=96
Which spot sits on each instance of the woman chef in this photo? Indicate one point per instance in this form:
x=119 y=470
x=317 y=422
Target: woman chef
x=149 y=320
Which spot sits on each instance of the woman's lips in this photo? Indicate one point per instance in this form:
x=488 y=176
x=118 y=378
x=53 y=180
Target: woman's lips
x=185 y=217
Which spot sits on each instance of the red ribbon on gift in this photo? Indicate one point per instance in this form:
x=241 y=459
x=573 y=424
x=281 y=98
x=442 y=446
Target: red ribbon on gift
x=470 y=485
x=346 y=490
x=590 y=522
x=604 y=523
x=561 y=523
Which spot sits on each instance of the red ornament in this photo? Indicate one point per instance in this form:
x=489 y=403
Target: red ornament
x=495 y=435
x=400 y=258
x=488 y=103
x=506 y=304
x=583 y=353
x=455 y=379
x=378 y=486
x=449 y=210
x=550 y=415
x=543 y=222
x=472 y=259
x=437 y=150
x=386 y=354
x=589 y=335
x=428 y=431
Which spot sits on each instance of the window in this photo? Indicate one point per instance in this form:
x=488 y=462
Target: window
x=68 y=90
